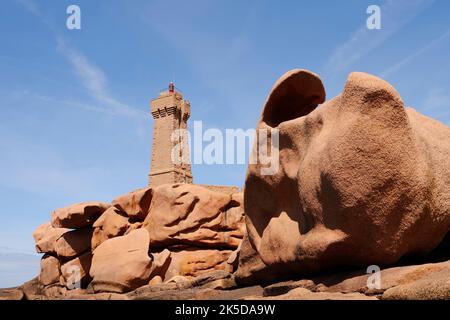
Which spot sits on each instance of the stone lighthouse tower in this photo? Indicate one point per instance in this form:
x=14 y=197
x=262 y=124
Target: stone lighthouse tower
x=170 y=113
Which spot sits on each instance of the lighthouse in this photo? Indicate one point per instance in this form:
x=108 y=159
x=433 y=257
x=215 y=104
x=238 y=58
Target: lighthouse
x=170 y=113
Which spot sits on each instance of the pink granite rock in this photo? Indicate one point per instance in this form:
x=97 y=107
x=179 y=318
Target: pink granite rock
x=74 y=243
x=135 y=204
x=50 y=270
x=78 y=215
x=122 y=264
x=183 y=214
x=361 y=179
x=112 y=223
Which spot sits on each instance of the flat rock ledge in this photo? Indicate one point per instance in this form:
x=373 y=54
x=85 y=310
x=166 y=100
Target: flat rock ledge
x=412 y=282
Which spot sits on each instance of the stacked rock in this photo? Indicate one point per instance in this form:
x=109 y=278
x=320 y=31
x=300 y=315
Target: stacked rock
x=145 y=237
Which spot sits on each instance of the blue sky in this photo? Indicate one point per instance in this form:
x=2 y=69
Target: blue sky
x=74 y=121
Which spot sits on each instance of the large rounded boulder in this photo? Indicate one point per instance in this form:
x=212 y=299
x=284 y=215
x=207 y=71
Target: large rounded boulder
x=359 y=180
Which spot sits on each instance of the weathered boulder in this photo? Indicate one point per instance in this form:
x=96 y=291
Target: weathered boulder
x=110 y=224
x=50 y=270
x=434 y=286
x=122 y=264
x=357 y=281
x=251 y=269
x=160 y=264
x=75 y=273
x=11 y=294
x=74 y=243
x=423 y=281
x=191 y=262
x=46 y=237
x=54 y=291
x=184 y=214
x=135 y=204
x=78 y=215
x=217 y=280
x=358 y=181
x=156 y=280
x=41 y=231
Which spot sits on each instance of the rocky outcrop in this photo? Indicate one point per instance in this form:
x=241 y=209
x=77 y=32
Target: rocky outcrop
x=149 y=236
x=361 y=180
x=41 y=231
x=412 y=282
x=357 y=184
x=11 y=294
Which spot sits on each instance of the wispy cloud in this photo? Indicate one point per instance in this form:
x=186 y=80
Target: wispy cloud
x=437 y=104
x=391 y=70
x=92 y=78
x=17 y=267
x=31 y=7
x=214 y=59
x=395 y=14
x=42 y=170
x=437 y=98
x=71 y=104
